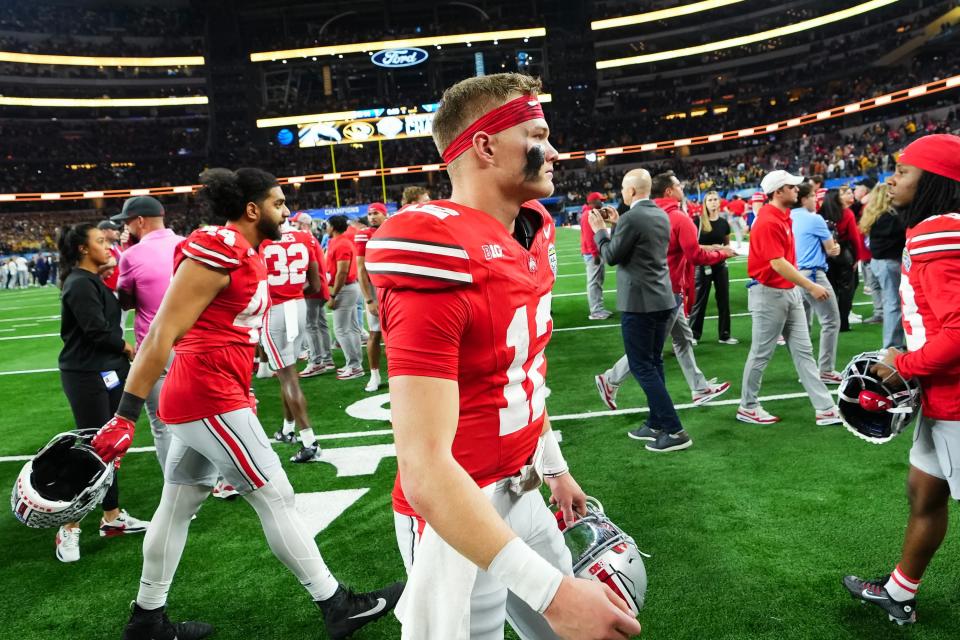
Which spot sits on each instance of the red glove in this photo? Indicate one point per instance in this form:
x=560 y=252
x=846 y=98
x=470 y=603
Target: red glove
x=113 y=439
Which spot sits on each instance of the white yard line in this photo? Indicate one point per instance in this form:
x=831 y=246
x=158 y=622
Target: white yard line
x=30 y=337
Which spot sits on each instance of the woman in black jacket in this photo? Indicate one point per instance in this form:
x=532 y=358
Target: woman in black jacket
x=714 y=230
x=94 y=361
x=886 y=232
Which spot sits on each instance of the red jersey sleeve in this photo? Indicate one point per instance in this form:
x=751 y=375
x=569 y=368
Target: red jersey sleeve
x=416 y=250
x=216 y=247
x=360 y=241
x=423 y=331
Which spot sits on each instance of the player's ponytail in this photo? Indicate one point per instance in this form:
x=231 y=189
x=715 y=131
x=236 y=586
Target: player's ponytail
x=228 y=192
x=69 y=241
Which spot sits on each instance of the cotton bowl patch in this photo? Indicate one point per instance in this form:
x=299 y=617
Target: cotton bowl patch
x=552 y=258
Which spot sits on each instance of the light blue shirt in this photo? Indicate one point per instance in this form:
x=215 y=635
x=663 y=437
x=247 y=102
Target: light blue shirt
x=809 y=232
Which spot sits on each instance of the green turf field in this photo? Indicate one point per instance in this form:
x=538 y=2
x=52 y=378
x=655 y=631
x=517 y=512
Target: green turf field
x=750 y=530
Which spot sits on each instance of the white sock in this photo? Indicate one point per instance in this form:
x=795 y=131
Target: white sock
x=263 y=370
x=288 y=539
x=288 y=426
x=900 y=587
x=375 y=376
x=307 y=438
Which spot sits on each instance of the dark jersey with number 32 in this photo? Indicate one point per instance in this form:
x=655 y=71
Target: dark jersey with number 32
x=462 y=299
x=212 y=367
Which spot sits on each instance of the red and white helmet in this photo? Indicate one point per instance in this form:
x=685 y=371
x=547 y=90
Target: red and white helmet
x=62 y=483
x=876 y=409
x=601 y=551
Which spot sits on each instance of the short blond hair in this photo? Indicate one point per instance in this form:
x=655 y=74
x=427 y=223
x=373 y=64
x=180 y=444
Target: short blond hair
x=412 y=194
x=469 y=99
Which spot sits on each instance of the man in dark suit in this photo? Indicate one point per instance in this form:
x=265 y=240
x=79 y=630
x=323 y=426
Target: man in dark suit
x=637 y=245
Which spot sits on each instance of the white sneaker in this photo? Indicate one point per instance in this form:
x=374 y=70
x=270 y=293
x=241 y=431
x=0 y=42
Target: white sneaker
x=757 y=415
x=730 y=340
x=854 y=318
x=224 y=491
x=713 y=390
x=263 y=371
x=374 y=382
x=828 y=417
x=68 y=544
x=607 y=391
x=350 y=374
x=123 y=524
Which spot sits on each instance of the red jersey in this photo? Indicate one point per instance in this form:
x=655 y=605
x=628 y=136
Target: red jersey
x=287 y=261
x=360 y=239
x=684 y=252
x=111 y=281
x=929 y=290
x=737 y=207
x=324 y=293
x=462 y=299
x=342 y=248
x=770 y=238
x=211 y=370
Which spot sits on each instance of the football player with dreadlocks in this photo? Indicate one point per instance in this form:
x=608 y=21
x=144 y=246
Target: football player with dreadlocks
x=926 y=189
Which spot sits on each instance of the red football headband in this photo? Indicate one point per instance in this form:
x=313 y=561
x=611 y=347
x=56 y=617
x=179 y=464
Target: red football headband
x=500 y=119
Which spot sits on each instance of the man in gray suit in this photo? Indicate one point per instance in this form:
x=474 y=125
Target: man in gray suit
x=638 y=247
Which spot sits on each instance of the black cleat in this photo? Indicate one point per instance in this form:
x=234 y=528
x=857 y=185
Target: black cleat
x=875 y=593
x=346 y=611
x=306 y=454
x=155 y=625
x=288 y=438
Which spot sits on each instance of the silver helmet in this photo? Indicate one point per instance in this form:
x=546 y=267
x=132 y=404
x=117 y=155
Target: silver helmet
x=872 y=408
x=601 y=551
x=62 y=483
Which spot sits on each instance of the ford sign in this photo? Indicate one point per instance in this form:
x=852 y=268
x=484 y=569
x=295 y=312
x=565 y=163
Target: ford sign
x=396 y=58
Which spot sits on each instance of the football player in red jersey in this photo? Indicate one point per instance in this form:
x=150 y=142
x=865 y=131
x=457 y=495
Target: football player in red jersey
x=213 y=311
x=376 y=214
x=464 y=291
x=925 y=188
x=293 y=269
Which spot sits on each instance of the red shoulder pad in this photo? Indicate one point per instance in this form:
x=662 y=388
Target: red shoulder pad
x=415 y=249
x=936 y=238
x=216 y=247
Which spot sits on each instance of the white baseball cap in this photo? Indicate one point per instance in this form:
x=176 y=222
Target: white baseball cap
x=779 y=178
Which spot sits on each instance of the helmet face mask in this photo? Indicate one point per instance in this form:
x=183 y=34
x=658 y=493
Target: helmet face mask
x=601 y=551
x=64 y=482
x=876 y=409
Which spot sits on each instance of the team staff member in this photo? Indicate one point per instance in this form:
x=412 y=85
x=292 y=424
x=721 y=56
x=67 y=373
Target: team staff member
x=376 y=214
x=213 y=311
x=714 y=231
x=318 y=333
x=814 y=243
x=738 y=211
x=925 y=187
x=777 y=306
x=465 y=303
x=344 y=296
x=93 y=362
x=591 y=258
x=757 y=201
x=145 y=271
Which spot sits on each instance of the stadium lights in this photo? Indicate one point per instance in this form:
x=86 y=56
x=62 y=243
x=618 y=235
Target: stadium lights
x=900 y=95
x=101 y=61
x=662 y=14
x=7 y=101
x=286 y=121
x=361 y=47
x=740 y=41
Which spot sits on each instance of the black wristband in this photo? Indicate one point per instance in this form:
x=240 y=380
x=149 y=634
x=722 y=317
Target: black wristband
x=130 y=406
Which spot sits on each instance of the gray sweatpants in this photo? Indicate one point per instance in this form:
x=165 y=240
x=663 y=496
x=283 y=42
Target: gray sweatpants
x=829 y=315
x=595 y=273
x=779 y=312
x=346 y=326
x=682 y=337
x=318 y=333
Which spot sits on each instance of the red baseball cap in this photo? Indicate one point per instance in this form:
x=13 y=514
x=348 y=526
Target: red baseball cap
x=377 y=206
x=596 y=196
x=938 y=153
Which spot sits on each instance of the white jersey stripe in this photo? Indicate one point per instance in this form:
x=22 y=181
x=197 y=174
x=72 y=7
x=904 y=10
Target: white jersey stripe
x=417 y=247
x=213 y=264
x=935 y=247
x=938 y=235
x=214 y=254
x=396 y=267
